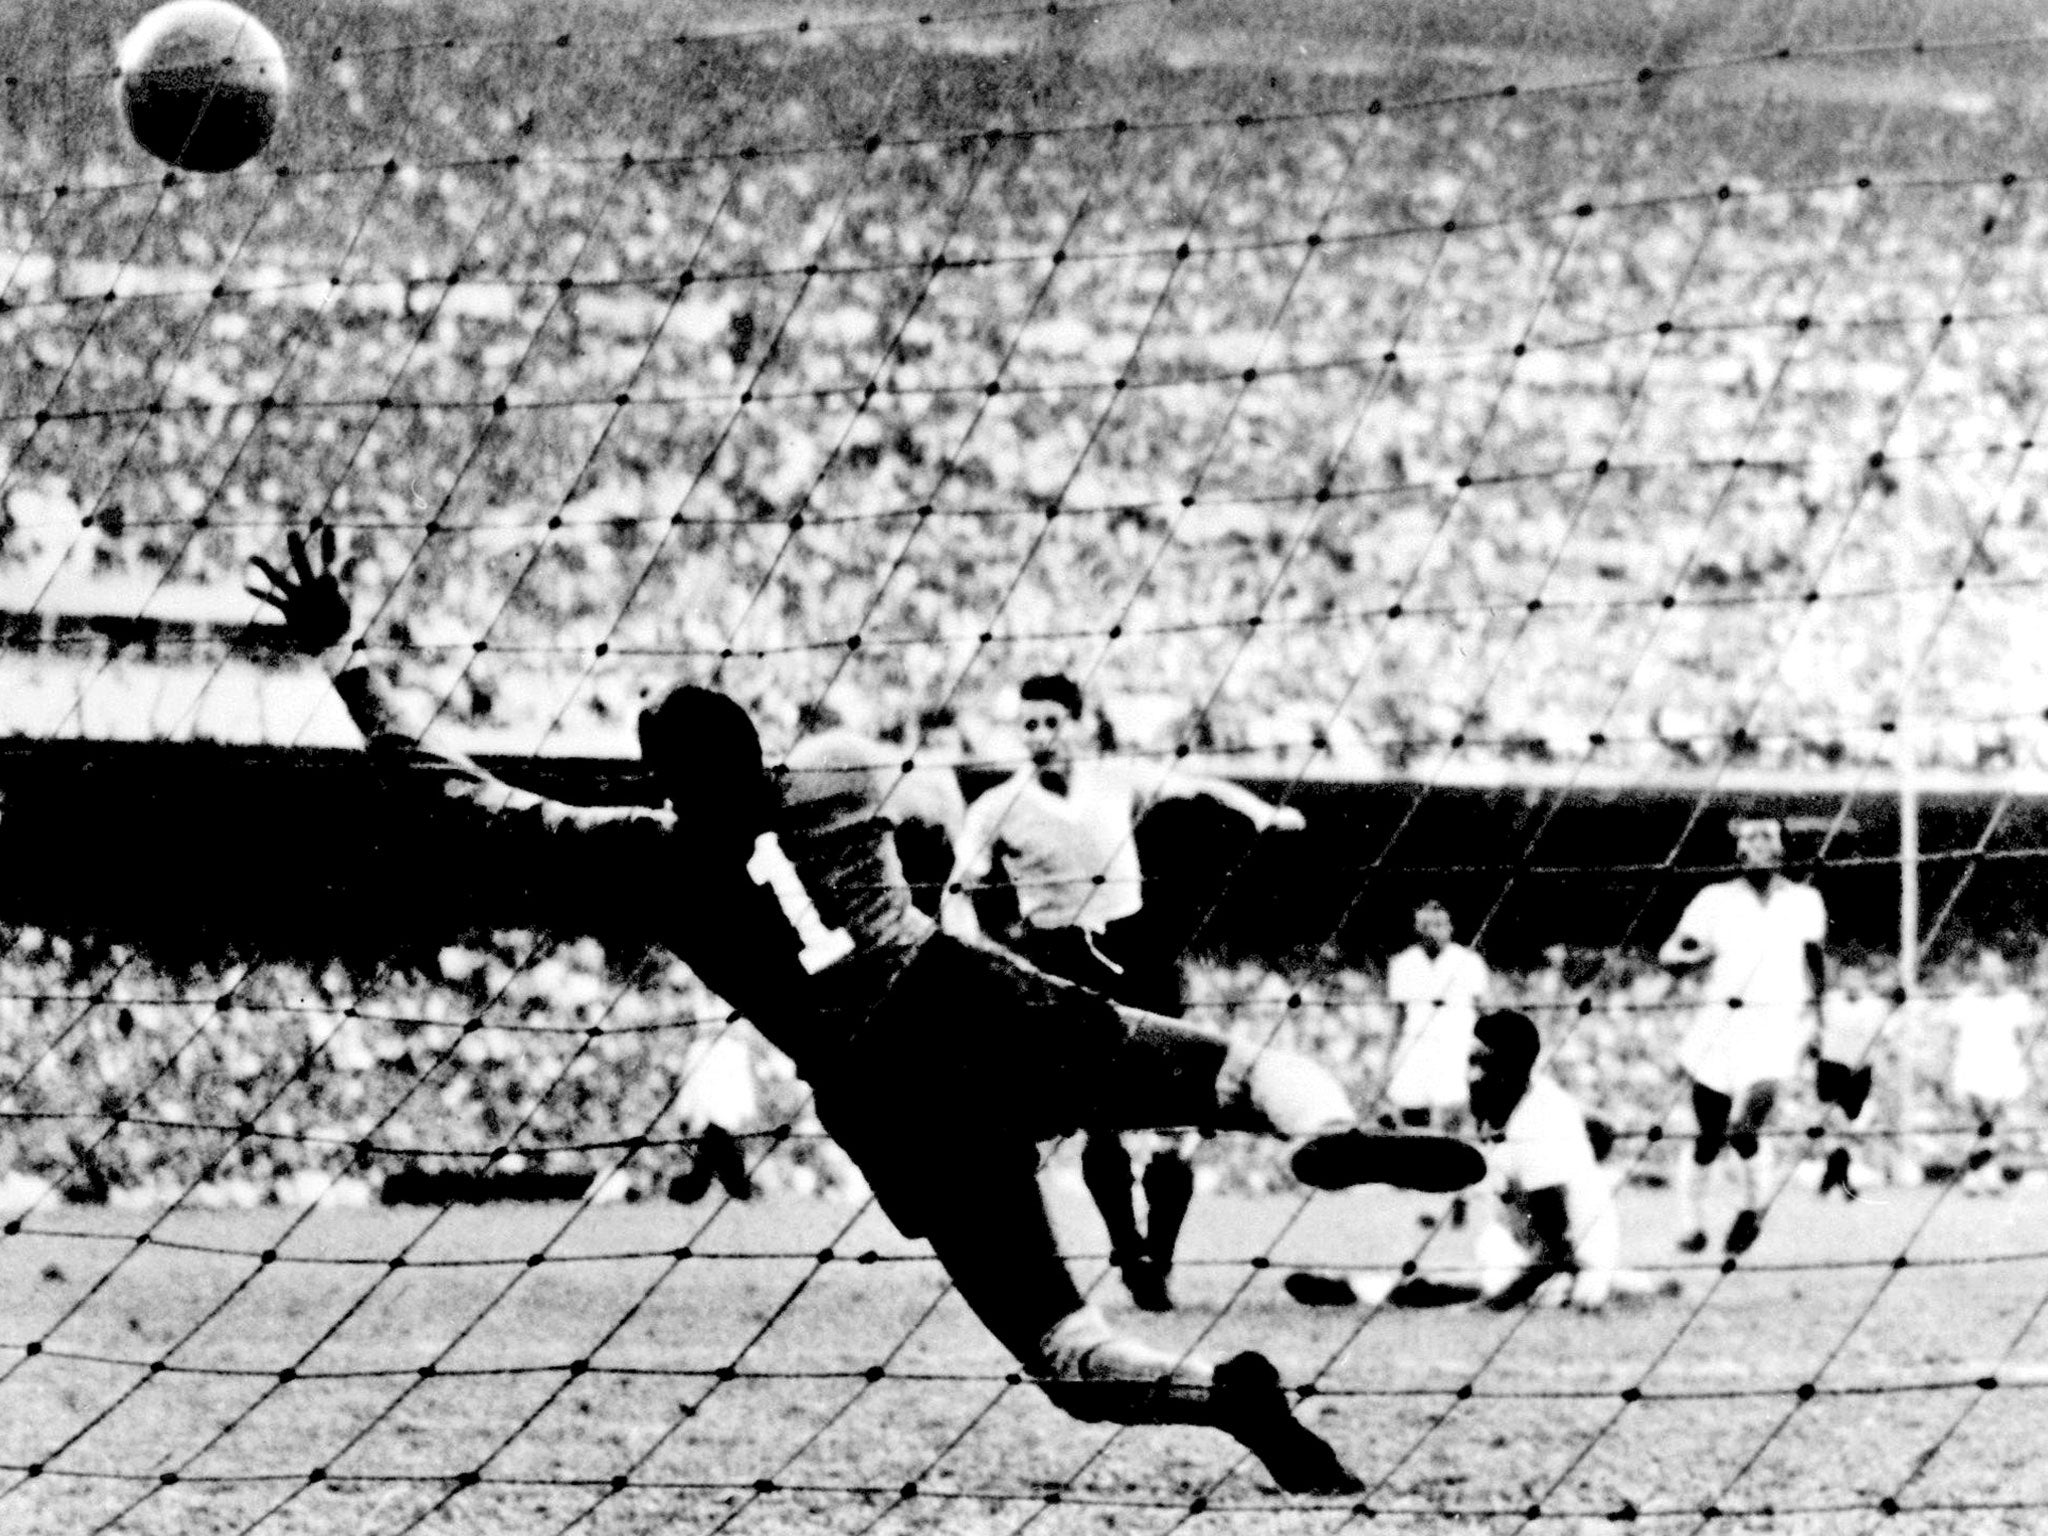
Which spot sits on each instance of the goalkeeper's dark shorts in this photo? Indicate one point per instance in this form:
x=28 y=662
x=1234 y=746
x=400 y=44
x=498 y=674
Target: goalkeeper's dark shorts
x=970 y=1059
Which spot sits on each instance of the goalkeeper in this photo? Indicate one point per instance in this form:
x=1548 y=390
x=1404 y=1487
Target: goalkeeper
x=783 y=892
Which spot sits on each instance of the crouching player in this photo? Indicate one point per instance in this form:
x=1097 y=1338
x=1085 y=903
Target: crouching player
x=938 y=1064
x=1552 y=1231
x=1554 y=1223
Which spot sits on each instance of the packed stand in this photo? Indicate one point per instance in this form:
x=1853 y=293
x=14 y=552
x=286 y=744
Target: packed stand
x=280 y=1080
x=121 y=1079
x=878 y=409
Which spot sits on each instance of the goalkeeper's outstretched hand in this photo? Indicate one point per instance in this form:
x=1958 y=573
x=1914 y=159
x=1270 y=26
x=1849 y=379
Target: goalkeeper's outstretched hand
x=308 y=595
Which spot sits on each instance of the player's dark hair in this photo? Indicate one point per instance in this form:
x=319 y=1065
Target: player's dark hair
x=705 y=755
x=1052 y=688
x=1509 y=1035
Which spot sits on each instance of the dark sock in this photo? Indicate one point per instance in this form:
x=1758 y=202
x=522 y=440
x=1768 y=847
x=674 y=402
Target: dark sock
x=1169 y=1191
x=1106 y=1170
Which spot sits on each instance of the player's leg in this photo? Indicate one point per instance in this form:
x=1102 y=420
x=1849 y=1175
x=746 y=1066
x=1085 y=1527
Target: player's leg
x=1980 y=1174
x=997 y=1245
x=1596 y=1253
x=717 y=1158
x=694 y=1182
x=1746 y=1140
x=1445 y=1118
x=1830 y=1077
x=1107 y=1168
x=1842 y=1090
x=1499 y=1259
x=1169 y=1183
x=1106 y=1171
x=1710 y=1112
x=717 y=1095
x=1151 y=980
x=1156 y=1073
x=728 y=1163
x=1162 y=1073
x=2006 y=1166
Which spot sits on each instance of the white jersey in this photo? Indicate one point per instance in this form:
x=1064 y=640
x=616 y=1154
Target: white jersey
x=1544 y=1146
x=1992 y=1030
x=1073 y=858
x=1439 y=1000
x=1753 y=1020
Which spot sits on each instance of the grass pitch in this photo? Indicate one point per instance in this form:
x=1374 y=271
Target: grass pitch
x=635 y=1369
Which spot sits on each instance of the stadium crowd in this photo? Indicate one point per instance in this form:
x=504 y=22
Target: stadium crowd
x=119 y=1079
x=1358 y=440
x=982 y=398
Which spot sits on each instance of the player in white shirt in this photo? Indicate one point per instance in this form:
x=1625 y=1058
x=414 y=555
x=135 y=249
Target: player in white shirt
x=1993 y=1022
x=1438 y=988
x=1756 y=944
x=1064 y=832
x=1553 y=1217
x=1552 y=1230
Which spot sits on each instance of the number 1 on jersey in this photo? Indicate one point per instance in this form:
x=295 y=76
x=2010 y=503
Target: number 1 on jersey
x=771 y=867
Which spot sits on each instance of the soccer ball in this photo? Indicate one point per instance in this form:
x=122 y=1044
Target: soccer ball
x=202 y=84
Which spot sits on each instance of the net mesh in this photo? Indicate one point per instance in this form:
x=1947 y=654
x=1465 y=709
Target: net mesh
x=1604 y=404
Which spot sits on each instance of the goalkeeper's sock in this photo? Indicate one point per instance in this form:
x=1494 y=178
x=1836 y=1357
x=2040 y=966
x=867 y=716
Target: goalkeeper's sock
x=1101 y=1376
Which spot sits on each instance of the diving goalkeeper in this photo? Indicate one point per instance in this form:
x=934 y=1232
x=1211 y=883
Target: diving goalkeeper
x=937 y=1064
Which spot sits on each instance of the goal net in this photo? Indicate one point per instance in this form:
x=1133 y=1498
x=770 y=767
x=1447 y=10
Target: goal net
x=1518 y=437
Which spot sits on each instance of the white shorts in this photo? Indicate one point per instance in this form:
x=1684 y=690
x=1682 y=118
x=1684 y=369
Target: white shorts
x=1731 y=1049
x=1434 y=1074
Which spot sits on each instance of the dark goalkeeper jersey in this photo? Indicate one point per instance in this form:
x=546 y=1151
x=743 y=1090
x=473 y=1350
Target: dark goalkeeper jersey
x=842 y=796
x=803 y=932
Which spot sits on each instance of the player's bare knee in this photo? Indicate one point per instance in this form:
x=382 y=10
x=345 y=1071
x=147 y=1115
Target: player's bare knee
x=1278 y=1093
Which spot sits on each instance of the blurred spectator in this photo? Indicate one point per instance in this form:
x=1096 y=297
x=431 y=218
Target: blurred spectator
x=123 y=1079
x=553 y=459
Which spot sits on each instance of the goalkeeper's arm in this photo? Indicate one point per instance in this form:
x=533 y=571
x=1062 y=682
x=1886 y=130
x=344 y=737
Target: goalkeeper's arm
x=308 y=595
